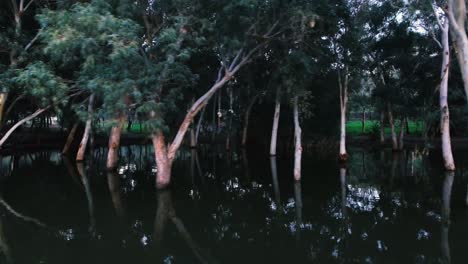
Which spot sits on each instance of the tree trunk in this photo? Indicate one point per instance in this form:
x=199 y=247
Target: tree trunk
x=163 y=164
x=87 y=131
x=446 y=196
x=402 y=134
x=19 y=123
x=382 y=127
x=392 y=127
x=199 y=124
x=343 y=85
x=363 y=121
x=3 y=99
x=449 y=163
x=70 y=138
x=457 y=16
x=246 y=120
x=274 y=130
x=114 y=143
x=298 y=142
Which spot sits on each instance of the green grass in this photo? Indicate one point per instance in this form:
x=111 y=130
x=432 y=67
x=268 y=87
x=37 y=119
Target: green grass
x=355 y=127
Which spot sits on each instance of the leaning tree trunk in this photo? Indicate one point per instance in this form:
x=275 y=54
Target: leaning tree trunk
x=70 y=138
x=274 y=129
x=21 y=122
x=87 y=131
x=382 y=127
x=246 y=120
x=392 y=127
x=443 y=95
x=114 y=143
x=343 y=85
x=297 y=142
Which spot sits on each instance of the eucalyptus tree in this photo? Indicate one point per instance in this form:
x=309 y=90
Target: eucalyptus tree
x=99 y=53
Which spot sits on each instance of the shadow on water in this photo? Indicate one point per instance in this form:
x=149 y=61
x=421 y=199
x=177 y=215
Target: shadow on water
x=233 y=207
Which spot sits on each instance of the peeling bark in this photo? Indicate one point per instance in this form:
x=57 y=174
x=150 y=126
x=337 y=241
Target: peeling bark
x=114 y=144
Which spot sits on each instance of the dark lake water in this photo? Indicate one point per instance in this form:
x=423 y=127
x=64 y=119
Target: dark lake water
x=234 y=207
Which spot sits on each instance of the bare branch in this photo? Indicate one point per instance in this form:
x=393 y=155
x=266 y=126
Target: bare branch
x=28 y=4
x=234 y=61
x=32 y=41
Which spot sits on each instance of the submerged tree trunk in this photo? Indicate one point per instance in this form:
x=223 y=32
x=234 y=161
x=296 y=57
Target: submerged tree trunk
x=392 y=127
x=343 y=85
x=87 y=131
x=382 y=127
x=70 y=138
x=247 y=119
x=297 y=142
x=274 y=129
x=449 y=163
x=114 y=143
x=163 y=164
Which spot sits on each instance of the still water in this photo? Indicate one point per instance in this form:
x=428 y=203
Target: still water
x=233 y=207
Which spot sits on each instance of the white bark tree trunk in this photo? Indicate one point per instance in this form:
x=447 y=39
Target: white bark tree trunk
x=449 y=163
x=274 y=129
x=297 y=141
x=3 y=99
x=87 y=131
x=343 y=85
x=21 y=122
x=456 y=12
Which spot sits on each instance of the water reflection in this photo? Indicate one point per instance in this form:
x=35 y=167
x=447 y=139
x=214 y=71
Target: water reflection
x=383 y=207
x=165 y=212
x=4 y=247
x=274 y=180
x=446 y=196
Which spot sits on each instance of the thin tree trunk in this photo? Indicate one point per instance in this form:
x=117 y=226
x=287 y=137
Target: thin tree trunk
x=363 y=121
x=449 y=163
x=3 y=99
x=87 y=131
x=246 y=120
x=70 y=138
x=114 y=143
x=19 y=123
x=274 y=130
x=382 y=127
x=392 y=127
x=298 y=142
x=402 y=134
x=343 y=85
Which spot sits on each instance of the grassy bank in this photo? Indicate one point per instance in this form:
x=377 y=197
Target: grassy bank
x=372 y=127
